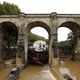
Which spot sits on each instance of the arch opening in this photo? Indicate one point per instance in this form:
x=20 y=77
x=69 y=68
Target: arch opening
x=8 y=38
x=68 y=41
x=38 y=45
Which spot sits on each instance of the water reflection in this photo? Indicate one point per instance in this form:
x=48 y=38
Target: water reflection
x=66 y=72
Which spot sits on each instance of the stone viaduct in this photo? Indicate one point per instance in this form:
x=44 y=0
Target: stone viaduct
x=51 y=22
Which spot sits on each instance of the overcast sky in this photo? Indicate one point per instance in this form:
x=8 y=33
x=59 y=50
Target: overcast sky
x=48 y=6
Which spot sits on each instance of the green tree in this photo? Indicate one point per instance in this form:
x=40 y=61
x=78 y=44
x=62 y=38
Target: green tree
x=7 y=8
x=70 y=38
x=10 y=35
x=1 y=9
x=67 y=45
x=34 y=37
x=9 y=31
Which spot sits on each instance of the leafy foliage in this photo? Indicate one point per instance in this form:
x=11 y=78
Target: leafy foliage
x=34 y=37
x=65 y=45
x=9 y=31
x=10 y=35
x=7 y=8
x=68 y=44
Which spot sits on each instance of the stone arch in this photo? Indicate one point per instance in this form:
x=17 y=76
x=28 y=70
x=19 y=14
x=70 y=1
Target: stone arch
x=40 y=24
x=9 y=23
x=12 y=22
x=32 y=25
x=71 y=25
x=75 y=28
x=5 y=26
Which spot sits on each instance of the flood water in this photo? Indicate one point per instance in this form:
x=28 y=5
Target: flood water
x=37 y=72
x=64 y=70
x=44 y=72
x=71 y=68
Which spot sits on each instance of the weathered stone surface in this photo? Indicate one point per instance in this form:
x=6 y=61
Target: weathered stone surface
x=51 y=22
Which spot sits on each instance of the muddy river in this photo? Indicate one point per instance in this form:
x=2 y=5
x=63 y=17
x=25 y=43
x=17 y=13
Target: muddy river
x=37 y=72
x=44 y=72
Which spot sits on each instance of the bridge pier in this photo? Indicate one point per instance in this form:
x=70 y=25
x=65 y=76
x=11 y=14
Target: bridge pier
x=26 y=49
x=1 y=37
x=77 y=50
x=53 y=47
x=53 y=50
x=0 y=46
x=50 y=50
x=20 y=58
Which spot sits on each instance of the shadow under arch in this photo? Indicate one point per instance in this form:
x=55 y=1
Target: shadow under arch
x=8 y=23
x=75 y=28
x=8 y=28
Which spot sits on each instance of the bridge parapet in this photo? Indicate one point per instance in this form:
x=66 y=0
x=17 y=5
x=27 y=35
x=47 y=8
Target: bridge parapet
x=9 y=16
x=38 y=15
x=42 y=15
x=68 y=15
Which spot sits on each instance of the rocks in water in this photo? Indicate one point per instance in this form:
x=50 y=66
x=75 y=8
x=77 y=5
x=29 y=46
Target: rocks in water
x=67 y=77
